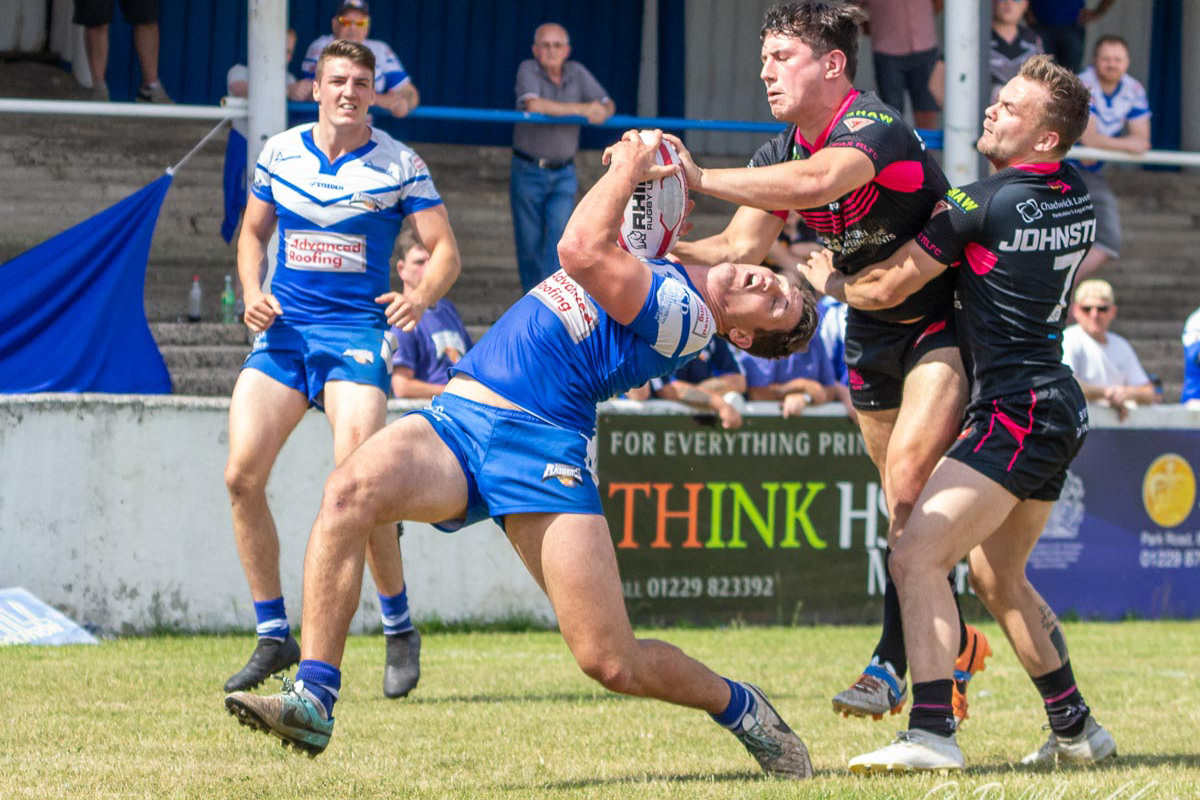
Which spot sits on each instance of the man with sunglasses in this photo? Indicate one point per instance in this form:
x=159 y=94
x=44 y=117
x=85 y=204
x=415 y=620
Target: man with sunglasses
x=1103 y=362
x=394 y=88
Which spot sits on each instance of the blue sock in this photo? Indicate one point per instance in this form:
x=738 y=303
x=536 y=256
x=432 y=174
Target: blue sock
x=272 y=619
x=322 y=681
x=394 y=611
x=741 y=703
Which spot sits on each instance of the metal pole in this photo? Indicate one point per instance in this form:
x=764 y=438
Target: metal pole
x=962 y=114
x=267 y=101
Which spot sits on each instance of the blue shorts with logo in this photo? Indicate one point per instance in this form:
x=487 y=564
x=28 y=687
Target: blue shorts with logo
x=514 y=462
x=306 y=357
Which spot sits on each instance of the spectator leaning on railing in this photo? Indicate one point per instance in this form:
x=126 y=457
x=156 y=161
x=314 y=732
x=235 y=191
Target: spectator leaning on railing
x=1103 y=362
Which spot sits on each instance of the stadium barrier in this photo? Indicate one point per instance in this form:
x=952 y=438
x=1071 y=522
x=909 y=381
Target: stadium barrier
x=113 y=509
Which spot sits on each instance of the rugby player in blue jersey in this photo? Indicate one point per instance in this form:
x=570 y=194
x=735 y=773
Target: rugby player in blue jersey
x=338 y=191
x=512 y=438
x=1015 y=241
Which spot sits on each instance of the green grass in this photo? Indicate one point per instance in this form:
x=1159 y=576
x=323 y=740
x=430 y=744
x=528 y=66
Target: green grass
x=507 y=715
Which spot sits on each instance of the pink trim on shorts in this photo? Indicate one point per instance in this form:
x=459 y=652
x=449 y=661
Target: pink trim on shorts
x=1017 y=432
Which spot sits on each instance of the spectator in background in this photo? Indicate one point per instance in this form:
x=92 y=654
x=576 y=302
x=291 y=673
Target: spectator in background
x=1012 y=44
x=542 y=184
x=237 y=80
x=1061 y=23
x=1191 y=358
x=796 y=382
x=1103 y=362
x=1120 y=120
x=95 y=16
x=905 y=48
x=424 y=356
x=394 y=89
x=713 y=380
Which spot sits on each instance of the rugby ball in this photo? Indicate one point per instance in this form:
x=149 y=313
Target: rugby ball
x=653 y=217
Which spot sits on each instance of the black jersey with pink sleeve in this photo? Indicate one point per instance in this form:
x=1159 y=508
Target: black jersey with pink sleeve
x=1017 y=238
x=870 y=223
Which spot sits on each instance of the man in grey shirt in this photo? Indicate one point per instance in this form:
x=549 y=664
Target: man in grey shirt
x=542 y=186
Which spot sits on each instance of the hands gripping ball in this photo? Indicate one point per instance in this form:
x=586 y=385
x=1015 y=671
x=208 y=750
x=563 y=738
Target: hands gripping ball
x=654 y=216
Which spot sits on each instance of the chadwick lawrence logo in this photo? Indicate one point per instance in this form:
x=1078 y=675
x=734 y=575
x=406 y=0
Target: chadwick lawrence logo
x=1029 y=211
x=566 y=474
x=325 y=251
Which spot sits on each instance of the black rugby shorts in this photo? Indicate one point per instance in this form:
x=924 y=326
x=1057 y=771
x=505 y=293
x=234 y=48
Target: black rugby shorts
x=1025 y=441
x=879 y=354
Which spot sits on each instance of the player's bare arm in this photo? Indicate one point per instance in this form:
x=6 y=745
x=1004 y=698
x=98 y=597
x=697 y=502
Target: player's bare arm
x=879 y=286
x=257 y=225
x=745 y=240
x=432 y=226
x=588 y=250
x=830 y=173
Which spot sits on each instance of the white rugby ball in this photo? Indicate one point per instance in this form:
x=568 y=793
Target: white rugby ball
x=653 y=217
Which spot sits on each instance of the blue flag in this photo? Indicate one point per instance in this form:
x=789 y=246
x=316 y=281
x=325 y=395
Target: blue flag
x=234 y=182
x=72 y=309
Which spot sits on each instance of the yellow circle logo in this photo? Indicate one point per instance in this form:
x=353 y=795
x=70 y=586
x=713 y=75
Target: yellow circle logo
x=1169 y=490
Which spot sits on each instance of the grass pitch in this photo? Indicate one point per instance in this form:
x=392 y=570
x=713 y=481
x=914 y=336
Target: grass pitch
x=507 y=715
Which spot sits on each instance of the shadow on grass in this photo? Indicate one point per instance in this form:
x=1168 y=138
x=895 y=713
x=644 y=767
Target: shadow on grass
x=644 y=780
x=528 y=697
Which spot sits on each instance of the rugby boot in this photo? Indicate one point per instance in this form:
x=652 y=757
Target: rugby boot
x=877 y=691
x=969 y=662
x=912 y=751
x=269 y=657
x=403 y=667
x=1090 y=745
x=774 y=746
x=291 y=715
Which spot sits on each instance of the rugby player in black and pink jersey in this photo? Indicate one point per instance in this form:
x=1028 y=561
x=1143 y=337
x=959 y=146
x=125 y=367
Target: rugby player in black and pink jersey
x=862 y=179
x=1013 y=243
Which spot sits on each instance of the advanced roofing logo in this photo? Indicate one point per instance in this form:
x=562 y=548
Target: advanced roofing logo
x=1169 y=490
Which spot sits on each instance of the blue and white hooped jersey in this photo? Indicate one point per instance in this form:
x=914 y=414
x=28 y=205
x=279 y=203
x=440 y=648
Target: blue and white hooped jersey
x=338 y=222
x=389 y=72
x=1112 y=111
x=556 y=353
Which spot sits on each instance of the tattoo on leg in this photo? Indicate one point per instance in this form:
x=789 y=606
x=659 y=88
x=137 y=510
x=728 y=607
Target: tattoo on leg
x=1050 y=625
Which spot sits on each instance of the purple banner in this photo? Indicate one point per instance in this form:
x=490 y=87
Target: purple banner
x=1124 y=539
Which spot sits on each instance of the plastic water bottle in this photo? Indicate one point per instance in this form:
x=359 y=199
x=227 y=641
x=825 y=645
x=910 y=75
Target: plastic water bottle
x=228 y=310
x=193 y=313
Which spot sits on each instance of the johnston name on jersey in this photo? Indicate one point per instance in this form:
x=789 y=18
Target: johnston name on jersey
x=1017 y=238
x=556 y=353
x=338 y=223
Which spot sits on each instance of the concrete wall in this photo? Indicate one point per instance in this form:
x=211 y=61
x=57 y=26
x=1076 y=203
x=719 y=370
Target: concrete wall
x=113 y=509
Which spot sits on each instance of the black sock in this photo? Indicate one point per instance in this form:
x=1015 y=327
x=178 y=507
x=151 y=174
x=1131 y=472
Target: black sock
x=1064 y=704
x=962 y=626
x=932 y=707
x=891 y=640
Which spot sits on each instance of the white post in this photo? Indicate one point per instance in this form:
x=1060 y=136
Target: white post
x=267 y=90
x=963 y=114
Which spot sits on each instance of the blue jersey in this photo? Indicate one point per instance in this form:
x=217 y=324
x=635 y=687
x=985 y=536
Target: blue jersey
x=389 y=72
x=1112 y=112
x=1191 y=358
x=338 y=223
x=812 y=363
x=438 y=343
x=556 y=353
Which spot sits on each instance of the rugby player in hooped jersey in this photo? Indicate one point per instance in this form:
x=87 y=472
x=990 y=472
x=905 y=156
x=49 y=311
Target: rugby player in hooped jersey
x=1016 y=240
x=339 y=191
x=862 y=179
x=513 y=437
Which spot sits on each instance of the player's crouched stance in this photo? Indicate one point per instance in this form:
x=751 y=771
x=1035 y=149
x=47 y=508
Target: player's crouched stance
x=1017 y=239
x=512 y=438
